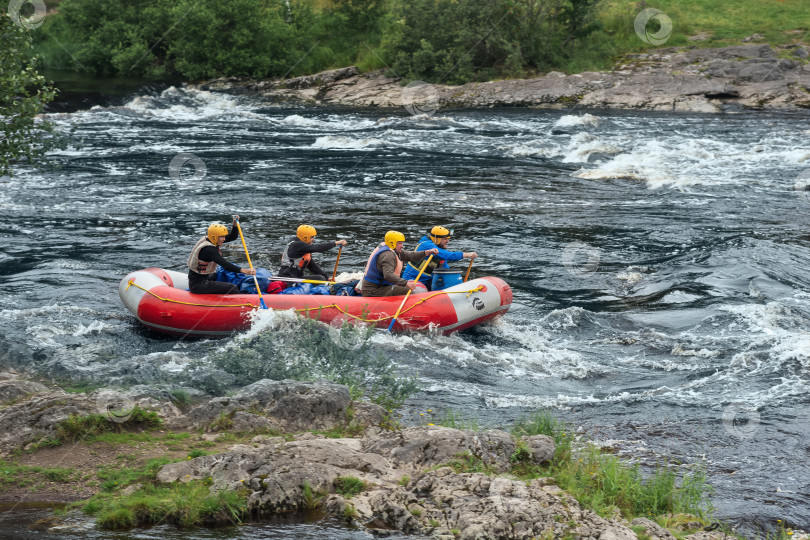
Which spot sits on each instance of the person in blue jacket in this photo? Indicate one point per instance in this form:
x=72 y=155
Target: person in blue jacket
x=437 y=237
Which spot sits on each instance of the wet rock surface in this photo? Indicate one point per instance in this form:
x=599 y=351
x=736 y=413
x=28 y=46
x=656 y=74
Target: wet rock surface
x=750 y=76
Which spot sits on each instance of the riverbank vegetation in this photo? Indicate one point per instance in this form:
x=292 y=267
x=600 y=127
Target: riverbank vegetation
x=436 y=41
x=23 y=95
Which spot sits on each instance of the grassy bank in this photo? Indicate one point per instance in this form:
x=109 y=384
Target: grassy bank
x=710 y=24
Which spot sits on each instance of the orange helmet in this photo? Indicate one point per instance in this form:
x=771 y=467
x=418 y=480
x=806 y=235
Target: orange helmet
x=305 y=233
x=215 y=230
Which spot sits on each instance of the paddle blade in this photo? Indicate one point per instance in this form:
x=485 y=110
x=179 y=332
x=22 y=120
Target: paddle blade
x=391 y=326
x=261 y=302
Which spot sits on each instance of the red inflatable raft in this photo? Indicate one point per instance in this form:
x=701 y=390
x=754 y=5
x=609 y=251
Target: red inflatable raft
x=160 y=300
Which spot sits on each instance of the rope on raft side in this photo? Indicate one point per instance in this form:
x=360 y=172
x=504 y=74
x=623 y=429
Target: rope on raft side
x=335 y=306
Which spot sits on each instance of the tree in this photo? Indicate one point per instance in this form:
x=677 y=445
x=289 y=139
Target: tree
x=23 y=95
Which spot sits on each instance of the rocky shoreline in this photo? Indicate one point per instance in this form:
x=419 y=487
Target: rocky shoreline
x=752 y=76
x=414 y=479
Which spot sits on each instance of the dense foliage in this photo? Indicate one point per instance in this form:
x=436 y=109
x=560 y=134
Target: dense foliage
x=454 y=42
x=23 y=95
x=435 y=40
x=206 y=38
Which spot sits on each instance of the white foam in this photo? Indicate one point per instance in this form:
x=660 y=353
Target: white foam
x=531 y=149
x=570 y=120
x=96 y=327
x=338 y=142
x=630 y=277
x=582 y=148
x=679 y=297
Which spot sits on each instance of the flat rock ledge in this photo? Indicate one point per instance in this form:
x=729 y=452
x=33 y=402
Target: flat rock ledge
x=410 y=477
x=673 y=79
x=31 y=412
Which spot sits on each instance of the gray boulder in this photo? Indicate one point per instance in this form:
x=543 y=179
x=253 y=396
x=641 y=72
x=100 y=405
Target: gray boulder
x=12 y=390
x=287 y=406
x=35 y=418
x=542 y=448
x=653 y=529
x=421 y=447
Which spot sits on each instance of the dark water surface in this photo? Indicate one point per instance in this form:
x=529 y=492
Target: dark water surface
x=660 y=262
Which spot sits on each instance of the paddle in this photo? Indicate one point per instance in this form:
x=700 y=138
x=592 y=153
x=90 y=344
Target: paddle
x=255 y=281
x=467 y=275
x=394 y=320
x=334 y=272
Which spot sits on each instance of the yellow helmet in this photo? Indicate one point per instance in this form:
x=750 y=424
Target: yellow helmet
x=305 y=233
x=438 y=232
x=216 y=230
x=392 y=237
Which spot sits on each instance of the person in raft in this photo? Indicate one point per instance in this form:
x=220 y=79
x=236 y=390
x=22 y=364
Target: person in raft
x=297 y=256
x=384 y=266
x=206 y=256
x=437 y=238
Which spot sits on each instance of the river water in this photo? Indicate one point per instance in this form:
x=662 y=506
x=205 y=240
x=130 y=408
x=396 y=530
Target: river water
x=660 y=262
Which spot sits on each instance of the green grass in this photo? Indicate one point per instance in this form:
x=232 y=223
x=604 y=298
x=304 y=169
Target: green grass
x=602 y=482
x=25 y=475
x=370 y=59
x=130 y=437
x=726 y=23
x=452 y=419
x=465 y=462
x=186 y=504
x=84 y=427
x=349 y=485
x=312 y=499
x=353 y=429
x=544 y=423
x=114 y=477
x=180 y=396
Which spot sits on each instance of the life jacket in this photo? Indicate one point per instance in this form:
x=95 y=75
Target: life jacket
x=372 y=274
x=295 y=264
x=194 y=262
x=435 y=262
